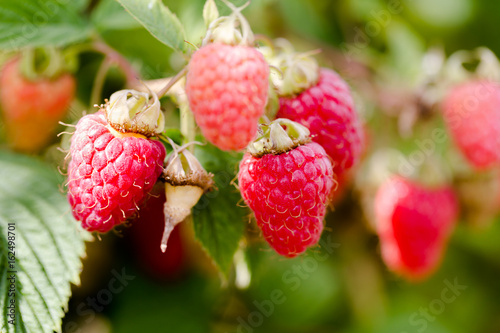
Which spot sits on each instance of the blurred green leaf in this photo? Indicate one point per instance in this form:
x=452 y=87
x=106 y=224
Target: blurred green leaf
x=158 y=20
x=309 y=279
x=174 y=134
x=183 y=307
x=110 y=15
x=34 y=23
x=307 y=18
x=154 y=63
x=442 y=14
x=406 y=49
x=364 y=9
x=45 y=241
x=218 y=219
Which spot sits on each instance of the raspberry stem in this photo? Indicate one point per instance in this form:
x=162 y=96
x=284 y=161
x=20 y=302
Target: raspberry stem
x=100 y=78
x=172 y=81
x=188 y=125
x=130 y=73
x=187 y=122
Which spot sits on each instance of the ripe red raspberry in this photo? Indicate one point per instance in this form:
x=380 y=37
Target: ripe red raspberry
x=288 y=193
x=414 y=224
x=111 y=172
x=227 y=90
x=32 y=109
x=109 y=176
x=327 y=110
x=472 y=114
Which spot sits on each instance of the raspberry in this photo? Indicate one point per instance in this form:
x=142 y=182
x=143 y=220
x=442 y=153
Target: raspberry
x=32 y=109
x=472 y=114
x=414 y=223
x=288 y=193
x=327 y=110
x=109 y=176
x=113 y=163
x=227 y=91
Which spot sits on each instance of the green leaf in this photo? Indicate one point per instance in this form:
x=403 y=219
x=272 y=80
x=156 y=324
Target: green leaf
x=218 y=219
x=47 y=243
x=307 y=19
x=33 y=23
x=132 y=43
x=109 y=15
x=174 y=134
x=184 y=306
x=158 y=20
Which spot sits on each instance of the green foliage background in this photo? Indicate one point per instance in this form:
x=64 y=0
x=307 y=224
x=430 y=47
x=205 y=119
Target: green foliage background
x=348 y=289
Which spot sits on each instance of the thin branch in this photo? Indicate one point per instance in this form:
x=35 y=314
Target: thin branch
x=100 y=78
x=172 y=81
x=113 y=56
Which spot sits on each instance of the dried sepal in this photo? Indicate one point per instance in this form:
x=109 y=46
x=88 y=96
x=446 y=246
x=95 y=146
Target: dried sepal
x=131 y=111
x=186 y=181
x=279 y=136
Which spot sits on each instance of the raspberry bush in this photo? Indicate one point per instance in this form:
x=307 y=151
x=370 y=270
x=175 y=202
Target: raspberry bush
x=299 y=166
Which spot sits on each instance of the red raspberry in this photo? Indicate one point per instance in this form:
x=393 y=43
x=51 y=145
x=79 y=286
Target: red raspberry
x=227 y=91
x=32 y=109
x=414 y=224
x=327 y=110
x=472 y=114
x=288 y=194
x=109 y=176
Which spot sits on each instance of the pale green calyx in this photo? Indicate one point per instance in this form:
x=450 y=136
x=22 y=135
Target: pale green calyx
x=294 y=72
x=210 y=12
x=299 y=71
x=488 y=66
x=131 y=111
x=231 y=30
x=278 y=137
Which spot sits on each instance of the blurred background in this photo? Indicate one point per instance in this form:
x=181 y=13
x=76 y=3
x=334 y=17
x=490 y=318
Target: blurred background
x=387 y=51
